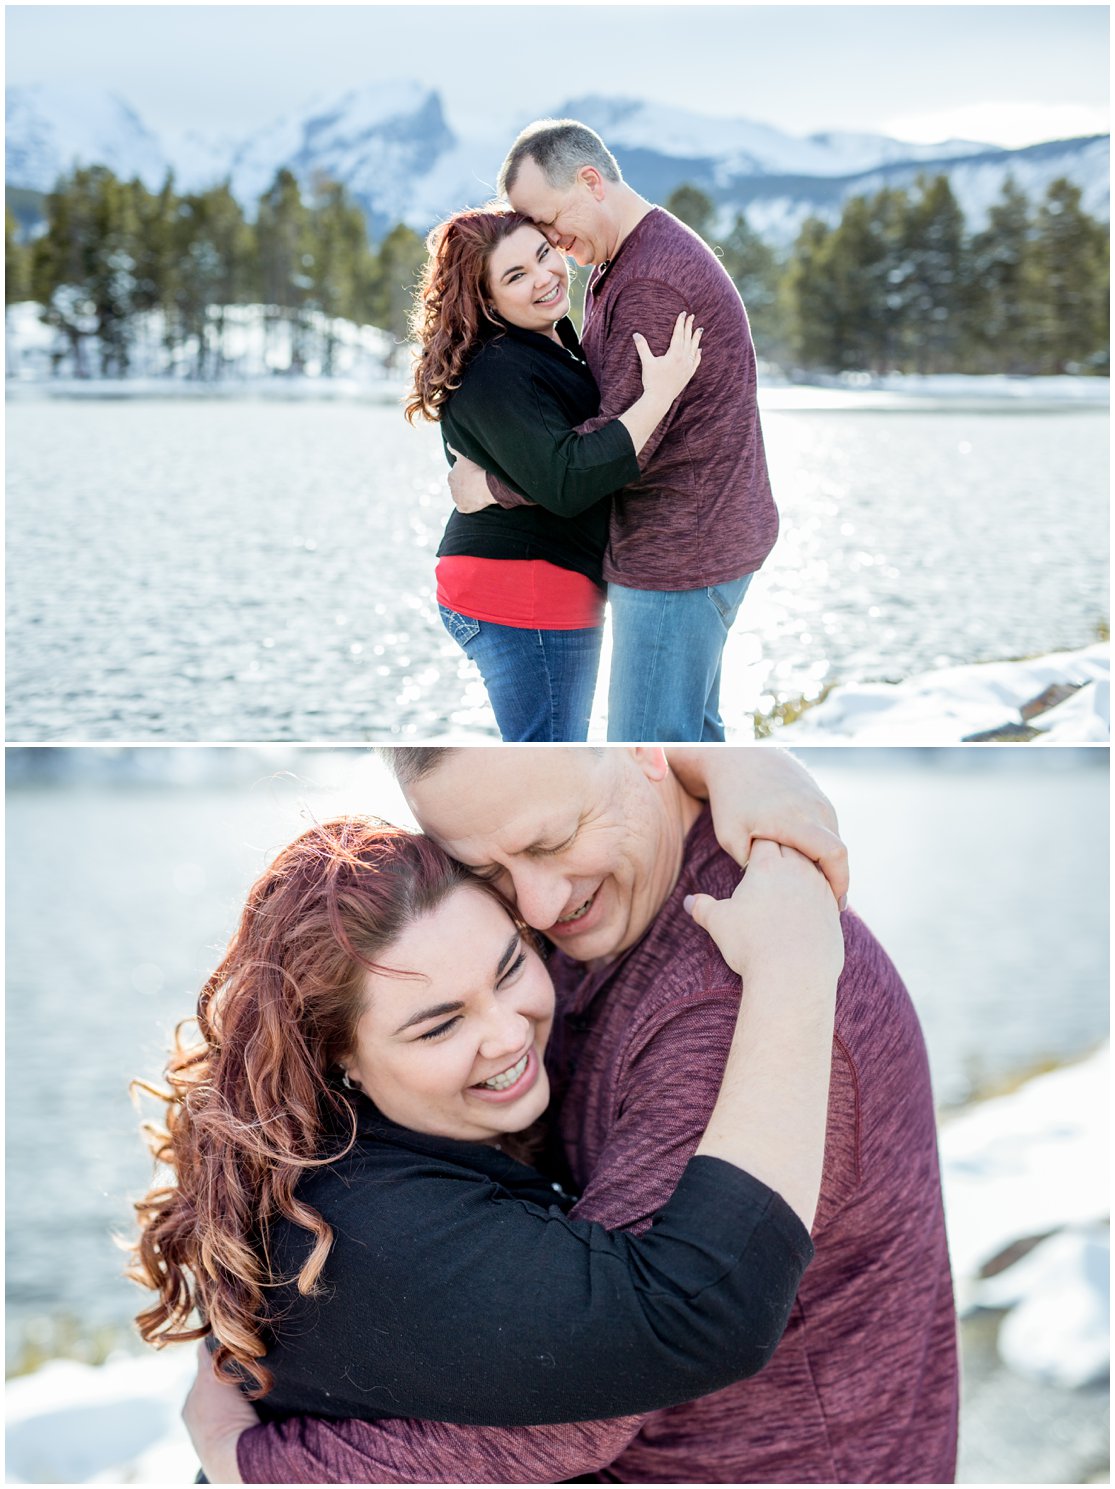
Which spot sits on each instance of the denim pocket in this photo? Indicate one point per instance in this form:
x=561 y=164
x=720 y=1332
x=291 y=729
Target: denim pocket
x=462 y=628
x=728 y=597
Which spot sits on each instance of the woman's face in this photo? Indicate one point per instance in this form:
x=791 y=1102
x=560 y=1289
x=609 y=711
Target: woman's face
x=457 y=1051
x=528 y=281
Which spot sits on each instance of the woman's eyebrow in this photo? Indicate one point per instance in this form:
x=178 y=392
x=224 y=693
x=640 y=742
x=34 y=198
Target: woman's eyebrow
x=508 y=955
x=520 y=268
x=437 y=1010
x=429 y=1013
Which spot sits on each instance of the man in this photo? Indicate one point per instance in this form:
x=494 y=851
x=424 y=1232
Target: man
x=687 y=537
x=601 y=849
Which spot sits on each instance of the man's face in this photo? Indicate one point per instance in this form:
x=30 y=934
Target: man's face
x=573 y=218
x=587 y=843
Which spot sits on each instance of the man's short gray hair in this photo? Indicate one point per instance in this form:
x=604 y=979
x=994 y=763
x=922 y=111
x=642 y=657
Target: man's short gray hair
x=559 y=148
x=411 y=763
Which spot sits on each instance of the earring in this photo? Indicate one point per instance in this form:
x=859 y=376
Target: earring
x=346 y=1082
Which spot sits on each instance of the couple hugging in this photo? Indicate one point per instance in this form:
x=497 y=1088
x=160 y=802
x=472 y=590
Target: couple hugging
x=458 y=1201
x=580 y=463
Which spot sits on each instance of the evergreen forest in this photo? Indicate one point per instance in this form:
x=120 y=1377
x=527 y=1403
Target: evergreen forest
x=900 y=283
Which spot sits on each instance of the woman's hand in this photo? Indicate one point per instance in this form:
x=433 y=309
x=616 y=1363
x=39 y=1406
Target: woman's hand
x=780 y=925
x=664 y=377
x=781 y=932
x=762 y=792
x=215 y=1414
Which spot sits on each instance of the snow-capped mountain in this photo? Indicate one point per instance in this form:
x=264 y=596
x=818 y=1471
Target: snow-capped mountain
x=50 y=129
x=776 y=206
x=400 y=157
x=741 y=146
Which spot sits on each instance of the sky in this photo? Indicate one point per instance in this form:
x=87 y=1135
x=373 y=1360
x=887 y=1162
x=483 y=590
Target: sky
x=1006 y=74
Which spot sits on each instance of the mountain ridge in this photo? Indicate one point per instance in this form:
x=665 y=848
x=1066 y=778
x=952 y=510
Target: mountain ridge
x=393 y=146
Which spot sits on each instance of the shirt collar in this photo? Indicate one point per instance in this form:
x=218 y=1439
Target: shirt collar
x=607 y=265
x=567 y=333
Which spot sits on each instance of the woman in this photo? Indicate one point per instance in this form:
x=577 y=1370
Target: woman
x=342 y=1141
x=521 y=591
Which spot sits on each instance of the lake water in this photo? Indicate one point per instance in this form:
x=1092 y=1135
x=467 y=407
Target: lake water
x=984 y=873
x=253 y=570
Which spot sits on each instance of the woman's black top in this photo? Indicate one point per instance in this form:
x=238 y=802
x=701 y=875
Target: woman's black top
x=459 y=1290
x=520 y=399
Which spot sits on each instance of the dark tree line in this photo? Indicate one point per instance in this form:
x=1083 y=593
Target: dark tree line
x=900 y=284
x=112 y=251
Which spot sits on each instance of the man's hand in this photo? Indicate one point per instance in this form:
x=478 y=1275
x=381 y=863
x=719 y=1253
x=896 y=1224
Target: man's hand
x=468 y=485
x=215 y=1415
x=761 y=792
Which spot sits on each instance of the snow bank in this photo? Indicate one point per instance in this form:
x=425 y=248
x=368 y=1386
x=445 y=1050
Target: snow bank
x=898 y=391
x=1024 y=1167
x=1058 y=699
x=254 y=344
x=116 y=1423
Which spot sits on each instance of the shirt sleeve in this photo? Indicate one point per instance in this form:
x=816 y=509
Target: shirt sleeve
x=527 y=435
x=652 y=307
x=497 y=1335
x=666 y=1089
x=311 y=1450
x=506 y=495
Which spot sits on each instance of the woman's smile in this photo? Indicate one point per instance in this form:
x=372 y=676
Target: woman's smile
x=455 y=1023
x=529 y=281
x=510 y=1084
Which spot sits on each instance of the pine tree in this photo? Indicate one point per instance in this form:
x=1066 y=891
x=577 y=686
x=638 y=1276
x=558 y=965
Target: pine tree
x=693 y=207
x=17 y=262
x=1071 y=279
x=936 y=253
x=1000 y=306
x=81 y=269
x=754 y=269
x=864 y=269
x=342 y=261
x=808 y=296
x=399 y=262
x=214 y=263
x=286 y=256
x=115 y=236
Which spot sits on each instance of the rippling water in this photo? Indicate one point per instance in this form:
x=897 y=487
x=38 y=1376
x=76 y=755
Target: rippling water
x=984 y=873
x=264 y=571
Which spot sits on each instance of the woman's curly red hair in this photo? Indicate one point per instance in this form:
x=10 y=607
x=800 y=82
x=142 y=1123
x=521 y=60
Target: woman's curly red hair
x=451 y=302
x=254 y=1102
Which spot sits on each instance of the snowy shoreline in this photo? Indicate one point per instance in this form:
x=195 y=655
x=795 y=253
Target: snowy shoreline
x=1027 y=1208
x=255 y=348
x=1062 y=698
x=862 y=393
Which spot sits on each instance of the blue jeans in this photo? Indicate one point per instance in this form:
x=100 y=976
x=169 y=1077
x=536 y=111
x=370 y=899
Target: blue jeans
x=540 y=683
x=666 y=651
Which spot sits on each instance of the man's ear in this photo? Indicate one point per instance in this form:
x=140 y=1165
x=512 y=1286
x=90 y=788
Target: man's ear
x=652 y=761
x=593 y=180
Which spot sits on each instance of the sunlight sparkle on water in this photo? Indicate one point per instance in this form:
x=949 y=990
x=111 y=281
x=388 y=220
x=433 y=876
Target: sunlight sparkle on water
x=897 y=547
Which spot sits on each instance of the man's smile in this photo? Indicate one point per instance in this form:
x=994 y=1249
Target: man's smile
x=577 y=914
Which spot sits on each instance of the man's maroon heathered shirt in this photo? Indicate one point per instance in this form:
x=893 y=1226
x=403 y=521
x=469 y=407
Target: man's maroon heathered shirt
x=863 y=1388
x=702 y=512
